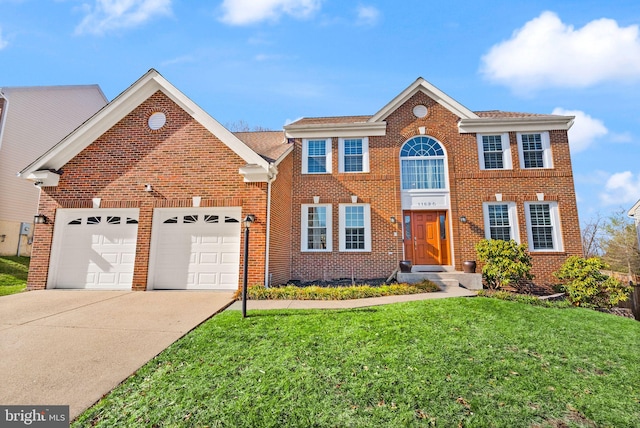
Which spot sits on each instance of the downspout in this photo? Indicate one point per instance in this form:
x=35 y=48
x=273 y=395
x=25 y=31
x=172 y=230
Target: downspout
x=4 y=104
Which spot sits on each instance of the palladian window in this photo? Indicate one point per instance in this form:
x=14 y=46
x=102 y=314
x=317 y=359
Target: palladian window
x=422 y=162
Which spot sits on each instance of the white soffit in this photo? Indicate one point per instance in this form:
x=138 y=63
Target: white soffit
x=513 y=124
x=434 y=93
x=122 y=105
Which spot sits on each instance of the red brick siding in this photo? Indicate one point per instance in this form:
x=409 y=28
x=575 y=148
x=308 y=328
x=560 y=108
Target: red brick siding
x=181 y=160
x=280 y=239
x=469 y=187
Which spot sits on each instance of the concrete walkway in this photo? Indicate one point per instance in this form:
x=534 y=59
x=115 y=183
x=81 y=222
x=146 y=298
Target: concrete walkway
x=71 y=347
x=354 y=303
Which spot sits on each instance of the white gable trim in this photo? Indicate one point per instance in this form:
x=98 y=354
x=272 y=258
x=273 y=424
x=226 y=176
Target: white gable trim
x=436 y=94
x=123 y=104
x=515 y=124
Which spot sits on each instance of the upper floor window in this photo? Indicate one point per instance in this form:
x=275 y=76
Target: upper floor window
x=494 y=151
x=500 y=221
x=543 y=226
x=355 y=227
x=316 y=227
x=534 y=150
x=354 y=155
x=316 y=156
x=422 y=161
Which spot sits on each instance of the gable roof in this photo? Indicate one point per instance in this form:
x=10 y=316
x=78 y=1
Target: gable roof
x=151 y=82
x=469 y=121
x=421 y=85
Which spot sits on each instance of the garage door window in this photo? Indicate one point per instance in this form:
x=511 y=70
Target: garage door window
x=195 y=248
x=94 y=248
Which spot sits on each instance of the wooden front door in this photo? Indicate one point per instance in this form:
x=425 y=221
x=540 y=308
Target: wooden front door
x=426 y=238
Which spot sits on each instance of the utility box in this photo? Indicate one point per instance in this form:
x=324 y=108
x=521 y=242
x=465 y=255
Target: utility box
x=25 y=228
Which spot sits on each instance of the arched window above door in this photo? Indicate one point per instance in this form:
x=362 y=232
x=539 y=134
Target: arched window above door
x=422 y=161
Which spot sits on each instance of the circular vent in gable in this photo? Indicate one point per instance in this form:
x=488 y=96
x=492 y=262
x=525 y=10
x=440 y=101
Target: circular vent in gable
x=157 y=120
x=420 y=111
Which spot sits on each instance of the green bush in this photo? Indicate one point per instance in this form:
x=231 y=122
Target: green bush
x=587 y=286
x=505 y=263
x=315 y=292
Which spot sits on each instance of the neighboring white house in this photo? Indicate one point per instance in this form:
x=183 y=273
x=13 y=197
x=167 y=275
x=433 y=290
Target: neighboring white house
x=634 y=213
x=32 y=120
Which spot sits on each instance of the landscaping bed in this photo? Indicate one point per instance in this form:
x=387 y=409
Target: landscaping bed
x=336 y=291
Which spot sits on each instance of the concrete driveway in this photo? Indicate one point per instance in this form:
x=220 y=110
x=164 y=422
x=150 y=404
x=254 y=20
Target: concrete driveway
x=71 y=347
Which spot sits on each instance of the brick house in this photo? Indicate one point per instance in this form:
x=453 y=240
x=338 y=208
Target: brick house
x=151 y=192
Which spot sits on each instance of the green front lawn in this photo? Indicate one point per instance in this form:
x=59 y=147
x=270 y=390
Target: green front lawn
x=453 y=362
x=13 y=274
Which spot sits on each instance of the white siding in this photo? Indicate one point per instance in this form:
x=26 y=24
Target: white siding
x=33 y=120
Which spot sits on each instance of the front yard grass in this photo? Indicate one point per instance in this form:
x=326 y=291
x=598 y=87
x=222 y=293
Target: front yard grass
x=452 y=362
x=13 y=274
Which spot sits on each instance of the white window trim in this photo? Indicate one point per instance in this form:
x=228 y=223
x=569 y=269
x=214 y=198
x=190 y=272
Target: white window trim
x=513 y=219
x=547 y=158
x=506 y=152
x=445 y=159
x=304 y=238
x=367 y=228
x=555 y=223
x=365 y=154
x=305 y=155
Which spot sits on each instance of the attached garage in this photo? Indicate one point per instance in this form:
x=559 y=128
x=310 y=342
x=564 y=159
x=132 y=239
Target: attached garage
x=195 y=249
x=94 y=249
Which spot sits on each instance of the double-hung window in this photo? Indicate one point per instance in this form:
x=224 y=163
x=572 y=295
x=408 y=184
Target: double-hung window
x=500 y=221
x=355 y=227
x=316 y=227
x=543 y=226
x=534 y=150
x=494 y=151
x=316 y=156
x=354 y=155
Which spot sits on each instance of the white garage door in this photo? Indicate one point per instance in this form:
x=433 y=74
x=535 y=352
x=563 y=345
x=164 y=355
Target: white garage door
x=195 y=248
x=94 y=248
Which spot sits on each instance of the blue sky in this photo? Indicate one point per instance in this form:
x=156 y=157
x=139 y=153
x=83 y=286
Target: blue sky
x=268 y=62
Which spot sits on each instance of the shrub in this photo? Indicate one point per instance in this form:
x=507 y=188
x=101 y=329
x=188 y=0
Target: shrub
x=587 y=286
x=505 y=263
x=315 y=292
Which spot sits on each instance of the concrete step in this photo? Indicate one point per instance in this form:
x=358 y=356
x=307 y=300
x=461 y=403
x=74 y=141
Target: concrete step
x=471 y=281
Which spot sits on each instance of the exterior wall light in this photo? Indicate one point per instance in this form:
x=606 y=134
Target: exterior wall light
x=463 y=219
x=393 y=220
x=41 y=219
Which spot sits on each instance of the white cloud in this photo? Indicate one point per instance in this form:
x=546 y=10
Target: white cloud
x=546 y=52
x=622 y=188
x=3 y=42
x=585 y=129
x=244 y=12
x=368 y=15
x=108 y=15
x=179 y=60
